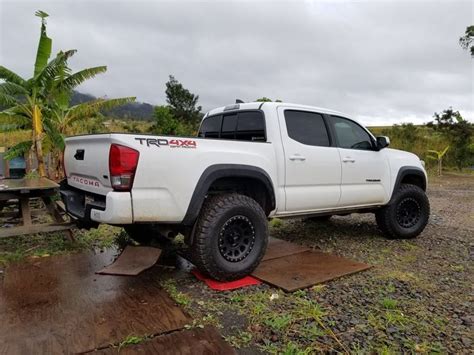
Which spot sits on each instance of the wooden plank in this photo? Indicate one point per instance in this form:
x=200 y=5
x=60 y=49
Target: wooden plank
x=206 y=341
x=28 y=184
x=132 y=261
x=35 y=228
x=51 y=207
x=305 y=269
x=58 y=305
x=278 y=248
x=25 y=211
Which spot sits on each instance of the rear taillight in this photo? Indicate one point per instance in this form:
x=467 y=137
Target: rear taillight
x=122 y=165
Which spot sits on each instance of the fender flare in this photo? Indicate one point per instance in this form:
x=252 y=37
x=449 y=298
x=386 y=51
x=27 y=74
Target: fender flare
x=218 y=171
x=409 y=170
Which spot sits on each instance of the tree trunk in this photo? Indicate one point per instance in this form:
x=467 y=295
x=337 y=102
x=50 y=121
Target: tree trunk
x=37 y=139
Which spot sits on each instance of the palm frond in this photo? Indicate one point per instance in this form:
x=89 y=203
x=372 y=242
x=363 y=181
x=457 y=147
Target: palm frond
x=11 y=88
x=79 y=77
x=53 y=69
x=11 y=77
x=12 y=122
x=7 y=100
x=44 y=46
x=55 y=137
x=18 y=150
x=92 y=107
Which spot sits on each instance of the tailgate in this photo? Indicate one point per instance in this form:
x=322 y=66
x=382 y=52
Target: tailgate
x=86 y=160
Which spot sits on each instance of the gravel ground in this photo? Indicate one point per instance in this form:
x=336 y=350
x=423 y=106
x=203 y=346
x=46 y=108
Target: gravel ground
x=416 y=298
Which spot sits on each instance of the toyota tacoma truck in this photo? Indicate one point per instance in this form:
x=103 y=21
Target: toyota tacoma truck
x=249 y=163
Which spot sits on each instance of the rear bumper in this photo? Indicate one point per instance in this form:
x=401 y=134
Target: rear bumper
x=114 y=208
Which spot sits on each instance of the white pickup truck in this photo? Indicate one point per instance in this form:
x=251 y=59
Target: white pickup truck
x=250 y=162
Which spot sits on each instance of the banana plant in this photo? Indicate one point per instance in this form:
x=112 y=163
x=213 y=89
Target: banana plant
x=41 y=104
x=438 y=156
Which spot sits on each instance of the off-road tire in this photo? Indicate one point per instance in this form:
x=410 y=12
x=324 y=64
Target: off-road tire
x=395 y=222
x=146 y=234
x=216 y=220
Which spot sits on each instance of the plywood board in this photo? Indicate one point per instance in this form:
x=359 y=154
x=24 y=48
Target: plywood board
x=195 y=341
x=278 y=248
x=132 y=261
x=59 y=305
x=305 y=269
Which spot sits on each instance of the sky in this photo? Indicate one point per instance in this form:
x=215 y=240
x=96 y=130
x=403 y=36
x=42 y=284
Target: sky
x=382 y=62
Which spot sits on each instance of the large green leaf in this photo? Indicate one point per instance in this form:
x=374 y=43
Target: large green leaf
x=79 y=77
x=19 y=149
x=11 y=77
x=7 y=100
x=55 y=138
x=44 y=45
x=11 y=88
x=90 y=108
x=45 y=78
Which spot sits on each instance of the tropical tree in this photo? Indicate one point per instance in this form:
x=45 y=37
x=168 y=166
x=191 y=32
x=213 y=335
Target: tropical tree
x=266 y=99
x=182 y=103
x=42 y=103
x=167 y=124
x=467 y=41
x=26 y=98
x=438 y=155
x=458 y=132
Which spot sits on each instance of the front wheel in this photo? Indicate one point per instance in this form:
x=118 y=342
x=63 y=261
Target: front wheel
x=231 y=237
x=407 y=214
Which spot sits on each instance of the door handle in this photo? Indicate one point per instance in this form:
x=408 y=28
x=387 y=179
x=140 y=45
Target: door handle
x=348 y=160
x=297 y=157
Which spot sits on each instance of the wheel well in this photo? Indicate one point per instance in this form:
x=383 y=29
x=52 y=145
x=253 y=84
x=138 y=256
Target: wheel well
x=251 y=187
x=414 y=179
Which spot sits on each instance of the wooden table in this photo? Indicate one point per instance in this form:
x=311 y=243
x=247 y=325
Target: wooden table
x=23 y=190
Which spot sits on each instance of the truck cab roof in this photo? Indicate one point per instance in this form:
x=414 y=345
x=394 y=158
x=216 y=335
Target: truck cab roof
x=259 y=105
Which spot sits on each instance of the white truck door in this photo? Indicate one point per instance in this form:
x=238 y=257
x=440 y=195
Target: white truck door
x=365 y=171
x=312 y=164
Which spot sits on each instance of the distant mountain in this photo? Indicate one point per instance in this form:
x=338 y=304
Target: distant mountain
x=134 y=110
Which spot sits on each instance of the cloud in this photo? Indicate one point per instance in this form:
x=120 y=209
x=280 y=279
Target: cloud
x=382 y=62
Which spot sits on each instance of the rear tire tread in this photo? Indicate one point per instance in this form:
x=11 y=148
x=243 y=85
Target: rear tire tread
x=213 y=207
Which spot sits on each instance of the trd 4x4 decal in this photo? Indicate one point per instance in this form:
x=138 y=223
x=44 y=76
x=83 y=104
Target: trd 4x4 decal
x=172 y=143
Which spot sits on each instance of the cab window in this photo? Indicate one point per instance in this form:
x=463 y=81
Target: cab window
x=211 y=127
x=350 y=135
x=244 y=125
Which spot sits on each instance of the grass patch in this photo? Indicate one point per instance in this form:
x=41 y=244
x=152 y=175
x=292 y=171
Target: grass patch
x=180 y=298
x=40 y=245
x=241 y=340
x=131 y=340
x=389 y=303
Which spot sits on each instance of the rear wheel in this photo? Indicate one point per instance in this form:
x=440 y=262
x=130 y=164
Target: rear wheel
x=406 y=216
x=231 y=237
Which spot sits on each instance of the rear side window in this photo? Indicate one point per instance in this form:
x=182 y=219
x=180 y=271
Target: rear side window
x=229 y=125
x=250 y=126
x=211 y=127
x=307 y=128
x=245 y=126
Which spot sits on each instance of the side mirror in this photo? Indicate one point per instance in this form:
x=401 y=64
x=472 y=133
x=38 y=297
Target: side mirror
x=383 y=142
